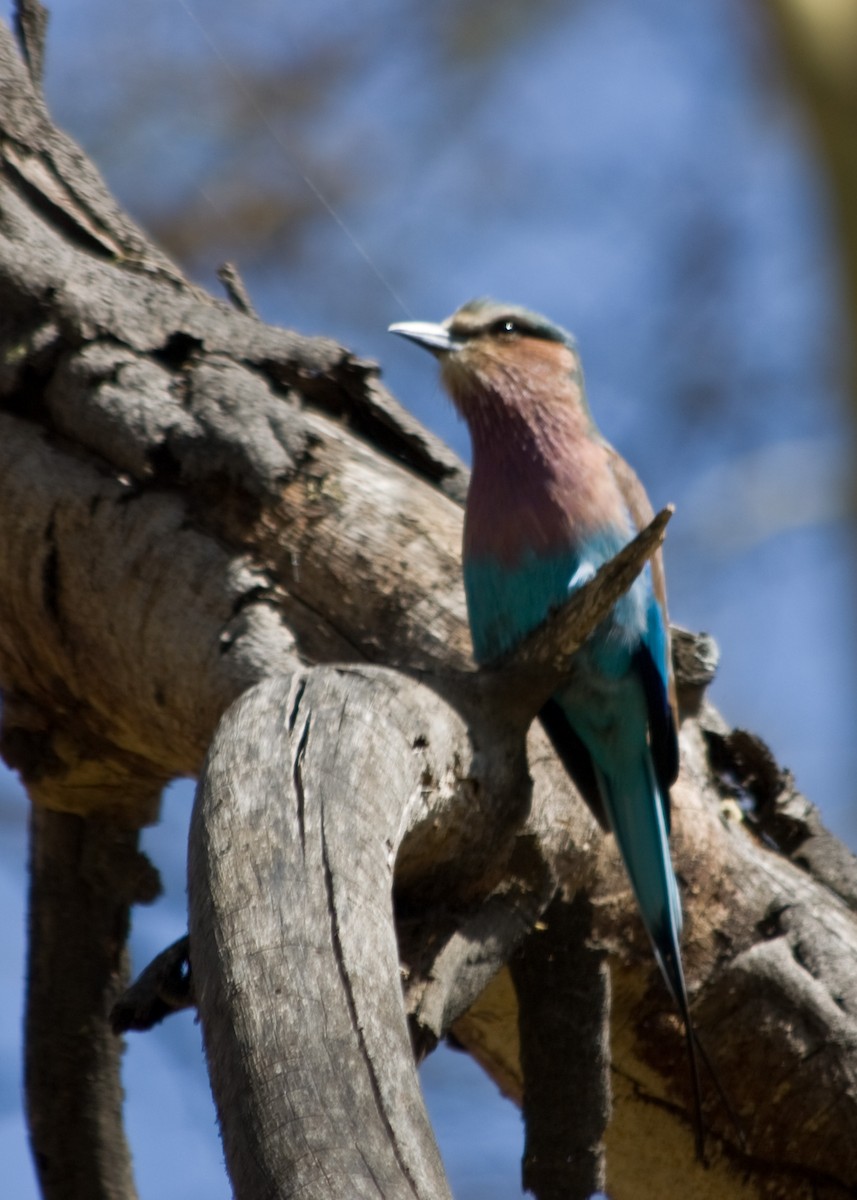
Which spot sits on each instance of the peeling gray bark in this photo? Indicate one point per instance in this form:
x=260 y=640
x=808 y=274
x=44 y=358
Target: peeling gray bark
x=192 y=502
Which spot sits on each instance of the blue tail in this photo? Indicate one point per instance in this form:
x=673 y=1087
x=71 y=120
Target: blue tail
x=636 y=812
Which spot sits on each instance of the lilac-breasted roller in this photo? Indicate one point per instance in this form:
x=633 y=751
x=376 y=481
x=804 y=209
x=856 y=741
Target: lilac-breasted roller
x=550 y=501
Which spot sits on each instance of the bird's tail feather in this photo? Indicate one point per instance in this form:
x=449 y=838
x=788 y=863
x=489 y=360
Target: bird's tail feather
x=670 y=963
x=635 y=810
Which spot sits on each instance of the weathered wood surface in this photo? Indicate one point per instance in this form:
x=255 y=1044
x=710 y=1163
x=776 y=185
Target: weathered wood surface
x=301 y=1023
x=191 y=501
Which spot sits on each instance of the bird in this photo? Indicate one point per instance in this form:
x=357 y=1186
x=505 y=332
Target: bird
x=549 y=502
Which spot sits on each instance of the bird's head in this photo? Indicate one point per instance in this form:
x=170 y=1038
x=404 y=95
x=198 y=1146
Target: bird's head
x=497 y=357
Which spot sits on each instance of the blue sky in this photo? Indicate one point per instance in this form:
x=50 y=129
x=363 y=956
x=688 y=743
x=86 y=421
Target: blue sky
x=633 y=169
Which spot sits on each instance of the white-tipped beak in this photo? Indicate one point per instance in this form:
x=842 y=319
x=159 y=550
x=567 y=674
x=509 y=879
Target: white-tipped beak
x=432 y=337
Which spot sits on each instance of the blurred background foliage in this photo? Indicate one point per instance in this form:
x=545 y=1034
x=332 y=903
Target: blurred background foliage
x=676 y=183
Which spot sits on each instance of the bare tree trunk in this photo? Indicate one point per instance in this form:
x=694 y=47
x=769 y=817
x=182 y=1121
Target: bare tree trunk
x=192 y=503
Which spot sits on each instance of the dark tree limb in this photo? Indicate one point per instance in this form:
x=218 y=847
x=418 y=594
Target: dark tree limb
x=84 y=876
x=562 y=982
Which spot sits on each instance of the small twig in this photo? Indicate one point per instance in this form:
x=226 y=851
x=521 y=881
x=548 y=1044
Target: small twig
x=31 y=23
x=163 y=988
x=236 y=289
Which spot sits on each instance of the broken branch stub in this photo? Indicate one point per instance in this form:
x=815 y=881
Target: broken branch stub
x=527 y=676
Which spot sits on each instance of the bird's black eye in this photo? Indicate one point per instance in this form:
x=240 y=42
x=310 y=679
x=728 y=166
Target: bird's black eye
x=506 y=325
